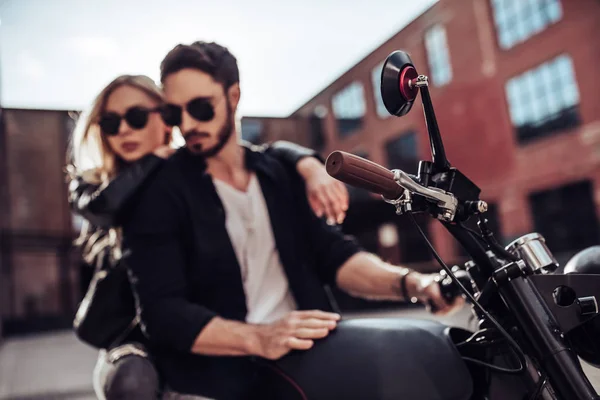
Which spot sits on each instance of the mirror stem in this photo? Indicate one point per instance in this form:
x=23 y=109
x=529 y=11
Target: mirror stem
x=438 y=154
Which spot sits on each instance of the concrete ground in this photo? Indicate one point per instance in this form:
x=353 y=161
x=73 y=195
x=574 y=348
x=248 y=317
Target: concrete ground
x=48 y=366
x=58 y=366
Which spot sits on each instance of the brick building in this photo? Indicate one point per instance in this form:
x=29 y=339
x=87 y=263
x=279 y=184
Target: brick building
x=38 y=269
x=517 y=99
x=515 y=88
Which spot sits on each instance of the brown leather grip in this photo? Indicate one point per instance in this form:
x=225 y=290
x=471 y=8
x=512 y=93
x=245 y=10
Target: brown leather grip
x=362 y=173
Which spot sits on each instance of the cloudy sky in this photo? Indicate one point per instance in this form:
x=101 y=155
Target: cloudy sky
x=57 y=54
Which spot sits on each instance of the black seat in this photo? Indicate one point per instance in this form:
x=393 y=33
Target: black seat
x=379 y=359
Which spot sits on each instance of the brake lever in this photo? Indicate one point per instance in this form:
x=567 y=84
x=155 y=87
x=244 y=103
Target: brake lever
x=445 y=201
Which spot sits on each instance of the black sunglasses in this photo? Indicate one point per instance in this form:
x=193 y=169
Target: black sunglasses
x=136 y=117
x=200 y=108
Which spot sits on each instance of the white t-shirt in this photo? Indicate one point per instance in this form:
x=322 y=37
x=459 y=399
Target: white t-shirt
x=268 y=296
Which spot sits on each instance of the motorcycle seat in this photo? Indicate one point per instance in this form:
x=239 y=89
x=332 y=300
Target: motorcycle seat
x=378 y=359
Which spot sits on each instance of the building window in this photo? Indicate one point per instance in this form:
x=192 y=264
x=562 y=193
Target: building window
x=402 y=153
x=438 y=55
x=252 y=130
x=349 y=108
x=566 y=217
x=376 y=79
x=518 y=20
x=544 y=100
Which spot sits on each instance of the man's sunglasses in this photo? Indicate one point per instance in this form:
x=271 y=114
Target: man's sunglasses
x=200 y=108
x=136 y=117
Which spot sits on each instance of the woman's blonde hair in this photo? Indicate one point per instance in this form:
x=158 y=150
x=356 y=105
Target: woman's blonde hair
x=91 y=158
x=89 y=150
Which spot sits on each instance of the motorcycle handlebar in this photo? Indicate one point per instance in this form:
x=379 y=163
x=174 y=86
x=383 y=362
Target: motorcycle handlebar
x=362 y=173
x=449 y=289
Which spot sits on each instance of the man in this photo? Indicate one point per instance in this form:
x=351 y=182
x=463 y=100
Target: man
x=228 y=260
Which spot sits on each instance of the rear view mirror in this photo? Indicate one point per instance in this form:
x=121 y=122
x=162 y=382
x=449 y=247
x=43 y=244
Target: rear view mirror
x=398 y=78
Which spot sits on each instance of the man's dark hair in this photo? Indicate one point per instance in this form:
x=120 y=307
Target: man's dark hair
x=211 y=58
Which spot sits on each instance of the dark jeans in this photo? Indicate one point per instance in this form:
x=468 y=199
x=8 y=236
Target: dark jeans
x=126 y=372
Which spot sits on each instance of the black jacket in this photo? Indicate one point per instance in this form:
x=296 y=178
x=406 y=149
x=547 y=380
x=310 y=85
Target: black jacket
x=103 y=206
x=186 y=272
x=106 y=206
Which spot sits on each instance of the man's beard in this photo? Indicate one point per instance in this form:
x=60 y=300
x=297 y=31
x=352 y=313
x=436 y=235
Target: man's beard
x=222 y=138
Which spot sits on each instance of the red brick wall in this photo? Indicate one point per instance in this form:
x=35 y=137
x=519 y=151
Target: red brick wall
x=36 y=144
x=472 y=111
x=39 y=226
x=36 y=282
x=291 y=129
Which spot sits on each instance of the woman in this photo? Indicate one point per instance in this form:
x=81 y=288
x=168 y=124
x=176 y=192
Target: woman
x=117 y=146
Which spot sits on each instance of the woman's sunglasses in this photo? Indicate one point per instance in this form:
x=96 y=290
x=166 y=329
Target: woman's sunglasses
x=136 y=117
x=200 y=108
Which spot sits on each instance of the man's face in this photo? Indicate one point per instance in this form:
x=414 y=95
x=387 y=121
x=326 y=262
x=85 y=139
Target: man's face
x=206 y=111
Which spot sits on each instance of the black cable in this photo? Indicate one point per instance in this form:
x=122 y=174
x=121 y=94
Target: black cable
x=488 y=236
x=474 y=233
x=481 y=340
x=489 y=241
x=487 y=343
x=481 y=343
x=494 y=367
x=541 y=384
x=519 y=352
x=474 y=337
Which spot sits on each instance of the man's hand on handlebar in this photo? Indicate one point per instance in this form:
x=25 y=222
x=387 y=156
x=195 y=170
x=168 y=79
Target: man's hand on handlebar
x=425 y=288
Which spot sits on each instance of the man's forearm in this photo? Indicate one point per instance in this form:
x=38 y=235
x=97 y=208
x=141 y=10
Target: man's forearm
x=221 y=337
x=307 y=166
x=366 y=275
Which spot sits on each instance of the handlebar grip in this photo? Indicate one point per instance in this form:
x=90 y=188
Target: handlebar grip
x=450 y=290
x=364 y=174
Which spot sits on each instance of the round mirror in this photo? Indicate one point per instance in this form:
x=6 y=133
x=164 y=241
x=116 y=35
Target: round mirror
x=397 y=93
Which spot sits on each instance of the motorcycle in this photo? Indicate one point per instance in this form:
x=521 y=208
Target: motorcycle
x=533 y=323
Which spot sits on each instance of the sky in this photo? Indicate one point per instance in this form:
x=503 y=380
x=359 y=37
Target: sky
x=58 y=54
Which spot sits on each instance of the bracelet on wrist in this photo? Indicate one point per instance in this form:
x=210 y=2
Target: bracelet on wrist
x=404 y=289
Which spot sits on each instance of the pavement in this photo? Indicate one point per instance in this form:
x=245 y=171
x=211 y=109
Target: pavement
x=49 y=366
x=59 y=366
